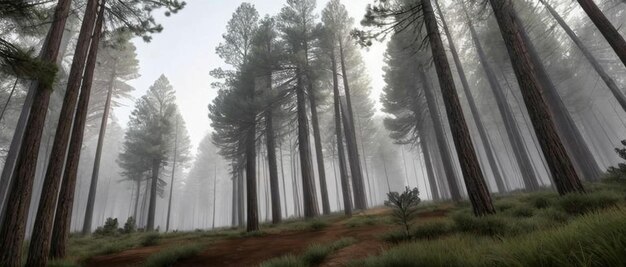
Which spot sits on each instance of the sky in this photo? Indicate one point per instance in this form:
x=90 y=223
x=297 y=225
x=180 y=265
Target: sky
x=185 y=53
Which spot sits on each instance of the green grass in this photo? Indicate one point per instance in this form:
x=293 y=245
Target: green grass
x=151 y=239
x=314 y=255
x=366 y=220
x=169 y=256
x=595 y=239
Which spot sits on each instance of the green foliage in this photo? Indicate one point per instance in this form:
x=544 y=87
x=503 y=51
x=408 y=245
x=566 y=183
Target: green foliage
x=432 y=230
x=151 y=239
x=129 y=226
x=314 y=255
x=590 y=240
x=491 y=225
x=577 y=204
x=110 y=228
x=169 y=256
x=522 y=211
x=317 y=225
x=404 y=207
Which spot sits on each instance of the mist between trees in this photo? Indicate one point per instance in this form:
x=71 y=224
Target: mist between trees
x=481 y=97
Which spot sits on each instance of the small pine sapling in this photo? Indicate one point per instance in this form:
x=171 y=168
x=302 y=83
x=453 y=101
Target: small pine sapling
x=404 y=207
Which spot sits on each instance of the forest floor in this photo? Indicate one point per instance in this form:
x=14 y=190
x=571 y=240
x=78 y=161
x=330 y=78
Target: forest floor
x=529 y=229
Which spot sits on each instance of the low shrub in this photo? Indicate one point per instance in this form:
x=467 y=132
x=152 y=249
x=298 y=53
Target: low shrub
x=108 y=229
x=395 y=237
x=505 y=204
x=491 y=225
x=317 y=225
x=577 y=204
x=431 y=230
x=150 y=239
x=522 y=211
x=169 y=256
x=284 y=261
x=129 y=226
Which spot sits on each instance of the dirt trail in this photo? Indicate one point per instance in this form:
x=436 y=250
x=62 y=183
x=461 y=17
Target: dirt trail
x=251 y=251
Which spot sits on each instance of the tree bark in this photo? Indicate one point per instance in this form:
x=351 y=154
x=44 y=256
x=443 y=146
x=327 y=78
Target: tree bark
x=270 y=141
x=12 y=228
x=252 y=218
x=169 y=203
x=446 y=158
x=482 y=133
x=429 y=167
x=65 y=202
x=343 y=172
x=610 y=83
x=561 y=167
x=360 y=201
x=156 y=166
x=610 y=33
x=474 y=182
x=234 y=219
x=308 y=183
x=576 y=146
x=510 y=123
x=91 y=199
x=319 y=152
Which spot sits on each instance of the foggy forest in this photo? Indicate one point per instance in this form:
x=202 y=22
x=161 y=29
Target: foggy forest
x=312 y=133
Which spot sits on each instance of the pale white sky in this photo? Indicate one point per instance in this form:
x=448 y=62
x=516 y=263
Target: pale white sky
x=185 y=53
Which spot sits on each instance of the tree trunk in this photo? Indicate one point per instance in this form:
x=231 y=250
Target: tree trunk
x=137 y=192
x=474 y=182
x=343 y=172
x=491 y=157
x=12 y=228
x=308 y=183
x=63 y=217
x=240 y=199
x=156 y=165
x=234 y=219
x=91 y=199
x=510 y=123
x=429 y=167
x=446 y=158
x=270 y=141
x=607 y=29
x=252 y=218
x=214 y=195
x=6 y=179
x=610 y=83
x=319 y=152
x=561 y=167
x=360 y=201
x=576 y=146
x=40 y=240
x=169 y=202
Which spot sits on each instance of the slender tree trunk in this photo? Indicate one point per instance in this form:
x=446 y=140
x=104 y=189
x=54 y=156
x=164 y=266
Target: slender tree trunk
x=561 y=167
x=240 y=199
x=610 y=83
x=169 y=203
x=576 y=146
x=386 y=175
x=270 y=141
x=62 y=220
x=308 y=181
x=12 y=228
x=91 y=199
x=156 y=166
x=610 y=33
x=510 y=123
x=446 y=158
x=137 y=193
x=473 y=109
x=360 y=201
x=214 y=195
x=319 y=152
x=6 y=105
x=367 y=174
x=343 y=171
x=282 y=174
x=252 y=209
x=474 y=182
x=234 y=219
x=429 y=168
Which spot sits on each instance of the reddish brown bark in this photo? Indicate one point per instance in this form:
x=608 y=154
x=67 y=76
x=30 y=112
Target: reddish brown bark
x=472 y=175
x=13 y=225
x=565 y=177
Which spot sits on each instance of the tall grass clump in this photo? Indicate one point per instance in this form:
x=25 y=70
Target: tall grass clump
x=594 y=239
x=314 y=255
x=171 y=255
x=577 y=204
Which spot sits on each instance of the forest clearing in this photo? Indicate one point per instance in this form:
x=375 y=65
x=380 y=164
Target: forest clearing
x=312 y=133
